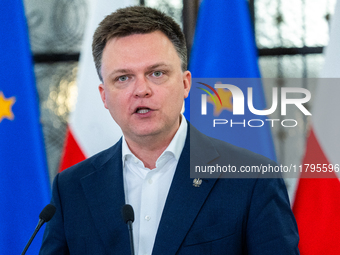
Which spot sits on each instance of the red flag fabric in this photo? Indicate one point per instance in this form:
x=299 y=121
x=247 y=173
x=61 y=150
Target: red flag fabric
x=72 y=152
x=317 y=206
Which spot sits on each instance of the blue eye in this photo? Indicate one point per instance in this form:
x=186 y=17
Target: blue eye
x=157 y=73
x=122 y=78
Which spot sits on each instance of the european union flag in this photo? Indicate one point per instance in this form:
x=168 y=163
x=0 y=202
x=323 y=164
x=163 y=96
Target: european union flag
x=24 y=182
x=224 y=47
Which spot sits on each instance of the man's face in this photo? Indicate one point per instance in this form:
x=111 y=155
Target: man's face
x=143 y=84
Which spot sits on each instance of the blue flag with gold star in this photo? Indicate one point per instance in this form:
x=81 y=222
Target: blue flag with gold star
x=224 y=47
x=24 y=182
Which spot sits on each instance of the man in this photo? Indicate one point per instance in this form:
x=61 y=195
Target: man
x=140 y=56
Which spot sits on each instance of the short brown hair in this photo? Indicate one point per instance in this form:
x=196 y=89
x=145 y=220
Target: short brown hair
x=137 y=20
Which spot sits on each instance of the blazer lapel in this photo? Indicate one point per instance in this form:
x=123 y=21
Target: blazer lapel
x=104 y=191
x=184 y=201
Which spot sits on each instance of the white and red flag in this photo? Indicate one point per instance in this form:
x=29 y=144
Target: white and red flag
x=91 y=128
x=317 y=200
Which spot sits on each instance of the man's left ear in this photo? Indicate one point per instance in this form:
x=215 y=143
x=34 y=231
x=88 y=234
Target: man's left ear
x=186 y=83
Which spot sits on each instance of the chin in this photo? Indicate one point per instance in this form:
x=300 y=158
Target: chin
x=146 y=132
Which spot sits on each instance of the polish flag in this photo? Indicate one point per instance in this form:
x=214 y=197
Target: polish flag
x=91 y=128
x=317 y=200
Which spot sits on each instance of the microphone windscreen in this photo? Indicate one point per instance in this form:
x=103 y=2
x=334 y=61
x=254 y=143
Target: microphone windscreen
x=127 y=213
x=47 y=213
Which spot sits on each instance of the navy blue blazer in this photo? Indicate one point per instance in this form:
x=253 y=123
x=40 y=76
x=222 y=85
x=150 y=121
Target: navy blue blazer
x=221 y=216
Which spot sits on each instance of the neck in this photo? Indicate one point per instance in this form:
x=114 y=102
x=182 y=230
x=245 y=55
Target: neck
x=149 y=148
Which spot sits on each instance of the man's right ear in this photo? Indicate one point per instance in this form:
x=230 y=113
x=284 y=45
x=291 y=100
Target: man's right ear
x=102 y=94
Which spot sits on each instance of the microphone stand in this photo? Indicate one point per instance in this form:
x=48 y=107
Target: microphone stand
x=40 y=223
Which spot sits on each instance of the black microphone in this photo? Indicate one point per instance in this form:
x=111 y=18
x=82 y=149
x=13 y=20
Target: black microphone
x=45 y=215
x=129 y=217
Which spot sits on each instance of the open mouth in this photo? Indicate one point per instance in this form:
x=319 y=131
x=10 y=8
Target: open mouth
x=142 y=110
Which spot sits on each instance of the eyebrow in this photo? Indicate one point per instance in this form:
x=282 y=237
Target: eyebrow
x=120 y=71
x=156 y=66
x=149 y=68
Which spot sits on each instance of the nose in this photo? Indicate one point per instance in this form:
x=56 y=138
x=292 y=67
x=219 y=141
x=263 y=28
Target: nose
x=142 y=88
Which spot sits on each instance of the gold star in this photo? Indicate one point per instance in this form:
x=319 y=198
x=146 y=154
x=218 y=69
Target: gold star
x=226 y=98
x=6 y=107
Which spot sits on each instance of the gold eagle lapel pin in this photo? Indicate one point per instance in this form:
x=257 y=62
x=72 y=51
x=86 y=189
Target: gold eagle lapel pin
x=197 y=182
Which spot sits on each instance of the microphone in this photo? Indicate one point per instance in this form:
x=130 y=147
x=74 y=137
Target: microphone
x=129 y=217
x=45 y=215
